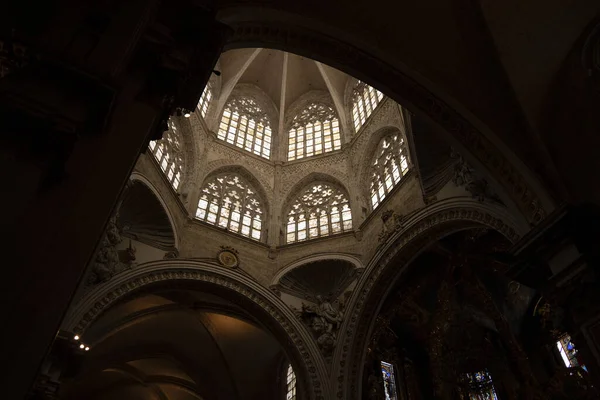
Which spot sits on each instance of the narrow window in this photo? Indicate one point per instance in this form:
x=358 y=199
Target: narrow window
x=389 y=165
x=365 y=100
x=205 y=100
x=389 y=381
x=568 y=352
x=169 y=155
x=290 y=384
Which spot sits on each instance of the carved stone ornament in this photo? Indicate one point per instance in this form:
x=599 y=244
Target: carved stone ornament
x=466 y=176
x=324 y=321
x=170 y=255
x=392 y=223
x=109 y=261
x=228 y=257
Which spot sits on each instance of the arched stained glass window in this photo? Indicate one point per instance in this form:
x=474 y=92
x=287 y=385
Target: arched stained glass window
x=169 y=154
x=316 y=130
x=245 y=125
x=320 y=210
x=364 y=101
x=389 y=165
x=230 y=202
x=205 y=100
x=290 y=391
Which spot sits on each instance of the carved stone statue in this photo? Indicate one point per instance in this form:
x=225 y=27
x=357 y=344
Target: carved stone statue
x=392 y=222
x=109 y=261
x=466 y=176
x=324 y=321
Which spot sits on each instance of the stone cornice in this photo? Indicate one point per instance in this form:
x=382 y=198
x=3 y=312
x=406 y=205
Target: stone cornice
x=313 y=373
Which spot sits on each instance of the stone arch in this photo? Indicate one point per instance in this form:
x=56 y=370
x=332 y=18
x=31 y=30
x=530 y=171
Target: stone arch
x=257 y=27
x=316 y=257
x=136 y=176
x=418 y=230
x=276 y=316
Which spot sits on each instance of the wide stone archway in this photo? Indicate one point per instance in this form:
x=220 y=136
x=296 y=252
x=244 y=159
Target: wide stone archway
x=203 y=277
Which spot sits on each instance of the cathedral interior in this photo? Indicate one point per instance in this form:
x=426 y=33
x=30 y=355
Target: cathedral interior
x=243 y=200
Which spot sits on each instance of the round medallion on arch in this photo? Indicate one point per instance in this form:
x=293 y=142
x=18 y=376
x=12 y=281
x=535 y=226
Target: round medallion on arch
x=228 y=257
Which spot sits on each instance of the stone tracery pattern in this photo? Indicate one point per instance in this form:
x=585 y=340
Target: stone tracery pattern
x=245 y=125
x=314 y=131
x=169 y=155
x=364 y=101
x=230 y=202
x=389 y=165
x=320 y=210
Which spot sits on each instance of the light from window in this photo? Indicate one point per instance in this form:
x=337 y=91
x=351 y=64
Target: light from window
x=321 y=210
x=246 y=126
x=205 y=100
x=568 y=352
x=291 y=384
x=390 y=164
x=228 y=201
x=364 y=101
x=316 y=130
x=168 y=154
x=479 y=386
x=389 y=381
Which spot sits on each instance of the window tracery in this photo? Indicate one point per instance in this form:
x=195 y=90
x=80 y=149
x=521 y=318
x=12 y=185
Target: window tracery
x=169 y=155
x=205 y=100
x=245 y=125
x=314 y=131
x=320 y=210
x=290 y=392
x=229 y=201
x=365 y=100
x=389 y=165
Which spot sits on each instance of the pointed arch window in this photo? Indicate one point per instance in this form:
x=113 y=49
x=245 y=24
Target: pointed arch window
x=227 y=200
x=245 y=125
x=320 y=210
x=205 y=100
x=316 y=130
x=365 y=100
x=290 y=389
x=389 y=165
x=169 y=154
